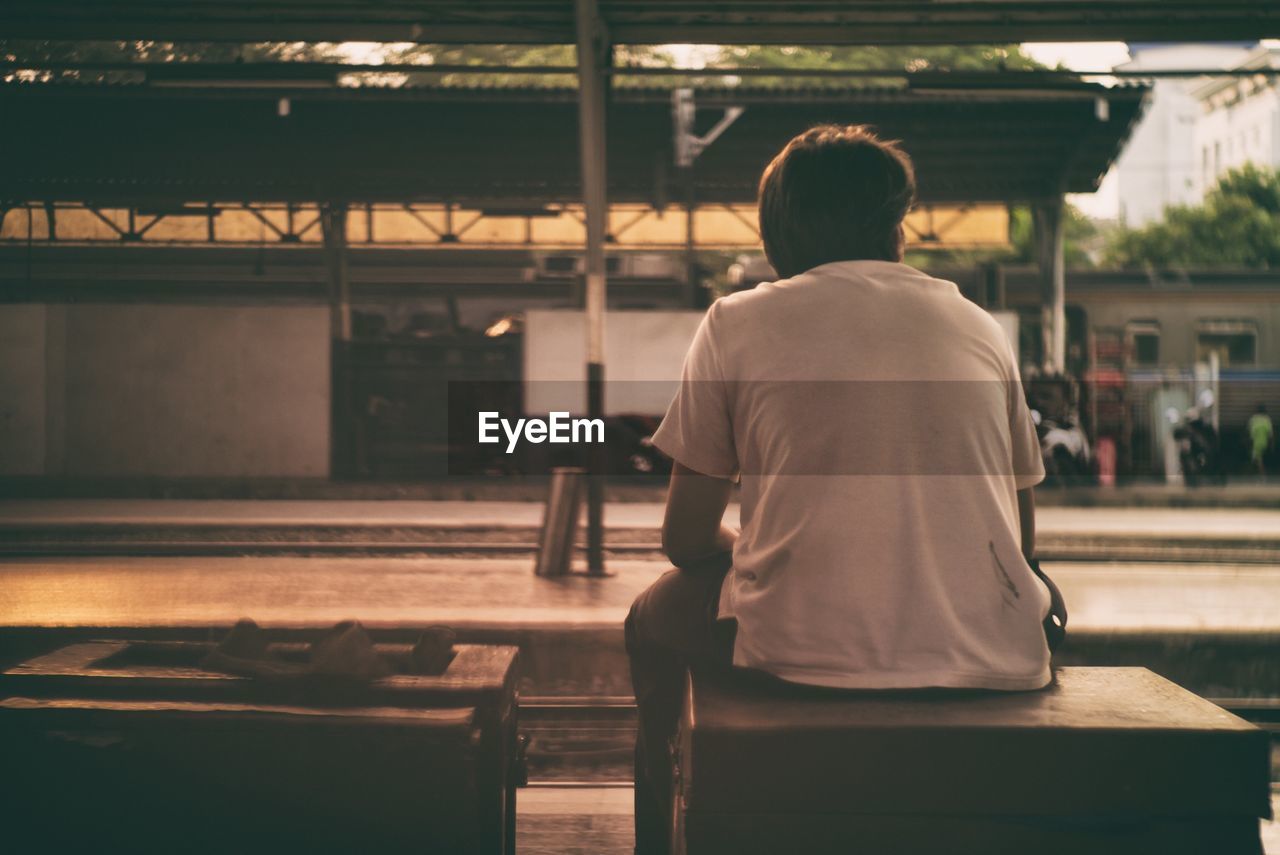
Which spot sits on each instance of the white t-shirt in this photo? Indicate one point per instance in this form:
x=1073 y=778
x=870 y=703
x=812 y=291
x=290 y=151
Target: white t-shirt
x=876 y=421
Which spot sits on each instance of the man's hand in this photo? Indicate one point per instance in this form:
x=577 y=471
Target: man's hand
x=692 y=529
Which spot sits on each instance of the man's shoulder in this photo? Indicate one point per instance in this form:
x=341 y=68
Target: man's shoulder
x=741 y=304
x=765 y=295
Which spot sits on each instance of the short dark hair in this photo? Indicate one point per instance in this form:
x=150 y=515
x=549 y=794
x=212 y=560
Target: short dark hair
x=834 y=193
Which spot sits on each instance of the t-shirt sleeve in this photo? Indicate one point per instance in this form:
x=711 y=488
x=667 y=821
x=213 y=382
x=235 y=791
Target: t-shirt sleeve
x=697 y=430
x=1028 y=464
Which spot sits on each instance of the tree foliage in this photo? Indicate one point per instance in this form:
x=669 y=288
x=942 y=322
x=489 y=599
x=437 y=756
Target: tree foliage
x=1237 y=225
x=1080 y=234
x=1078 y=231
x=905 y=58
x=517 y=55
x=869 y=57
x=38 y=52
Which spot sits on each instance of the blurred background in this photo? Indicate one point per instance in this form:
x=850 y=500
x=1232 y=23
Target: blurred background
x=250 y=260
x=257 y=261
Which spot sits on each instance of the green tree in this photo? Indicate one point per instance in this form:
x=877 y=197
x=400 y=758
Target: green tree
x=939 y=58
x=871 y=58
x=1078 y=232
x=654 y=56
x=39 y=52
x=1080 y=235
x=1237 y=225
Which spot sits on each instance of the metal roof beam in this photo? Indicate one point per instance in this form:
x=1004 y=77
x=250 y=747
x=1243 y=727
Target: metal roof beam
x=646 y=21
x=306 y=72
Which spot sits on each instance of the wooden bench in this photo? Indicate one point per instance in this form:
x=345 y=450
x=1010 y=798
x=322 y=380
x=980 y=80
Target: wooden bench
x=136 y=740
x=176 y=776
x=1107 y=760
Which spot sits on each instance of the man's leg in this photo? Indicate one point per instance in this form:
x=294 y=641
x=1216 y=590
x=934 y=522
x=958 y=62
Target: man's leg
x=671 y=626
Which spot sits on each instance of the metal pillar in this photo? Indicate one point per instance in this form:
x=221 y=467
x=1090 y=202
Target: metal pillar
x=1049 y=220
x=333 y=226
x=692 y=270
x=687 y=145
x=593 y=54
x=991 y=286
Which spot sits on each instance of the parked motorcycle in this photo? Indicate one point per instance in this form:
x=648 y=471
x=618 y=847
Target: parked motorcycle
x=1065 y=450
x=1199 y=451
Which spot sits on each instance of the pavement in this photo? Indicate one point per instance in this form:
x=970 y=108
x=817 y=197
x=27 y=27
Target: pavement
x=504 y=592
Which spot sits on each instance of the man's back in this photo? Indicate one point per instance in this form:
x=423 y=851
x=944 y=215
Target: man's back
x=874 y=418
x=886 y=457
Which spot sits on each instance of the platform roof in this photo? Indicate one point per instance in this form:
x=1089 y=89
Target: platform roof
x=138 y=144
x=646 y=21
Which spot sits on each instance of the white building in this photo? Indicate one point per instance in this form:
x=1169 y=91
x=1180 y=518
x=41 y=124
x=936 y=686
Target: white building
x=1160 y=165
x=1238 y=119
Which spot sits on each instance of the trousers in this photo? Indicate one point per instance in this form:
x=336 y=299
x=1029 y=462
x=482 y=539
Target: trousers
x=672 y=626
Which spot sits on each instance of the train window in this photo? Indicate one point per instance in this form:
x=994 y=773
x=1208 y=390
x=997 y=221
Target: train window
x=1143 y=343
x=1146 y=348
x=1235 y=343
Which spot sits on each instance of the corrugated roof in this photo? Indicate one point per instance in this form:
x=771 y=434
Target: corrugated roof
x=1015 y=87
x=83 y=141
x=652 y=22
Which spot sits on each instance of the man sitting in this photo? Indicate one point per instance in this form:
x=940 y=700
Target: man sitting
x=886 y=457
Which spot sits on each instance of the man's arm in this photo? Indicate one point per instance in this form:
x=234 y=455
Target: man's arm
x=692 y=529
x=1027 y=521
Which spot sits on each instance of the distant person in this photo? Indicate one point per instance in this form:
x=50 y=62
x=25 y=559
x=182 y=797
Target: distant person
x=1262 y=438
x=876 y=422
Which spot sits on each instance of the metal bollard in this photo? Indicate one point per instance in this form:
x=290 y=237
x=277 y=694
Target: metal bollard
x=560 y=521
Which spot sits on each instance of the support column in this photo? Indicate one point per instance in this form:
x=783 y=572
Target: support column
x=333 y=226
x=593 y=54
x=1048 y=221
x=692 y=283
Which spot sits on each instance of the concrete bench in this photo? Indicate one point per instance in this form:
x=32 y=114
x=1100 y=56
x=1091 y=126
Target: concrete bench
x=1107 y=760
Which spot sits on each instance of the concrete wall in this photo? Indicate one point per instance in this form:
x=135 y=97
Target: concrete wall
x=644 y=354
x=22 y=390
x=135 y=390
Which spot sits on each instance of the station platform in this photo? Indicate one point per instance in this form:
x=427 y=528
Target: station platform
x=1051 y=519
x=504 y=592
x=1212 y=628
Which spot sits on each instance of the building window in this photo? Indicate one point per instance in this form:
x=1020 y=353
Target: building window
x=1143 y=343
x=1234 y=342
